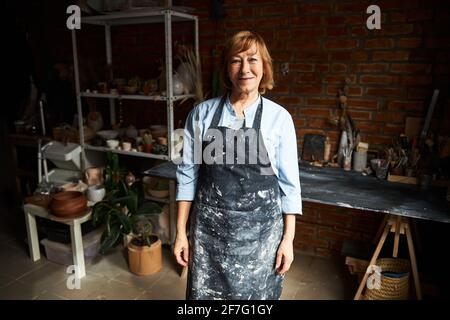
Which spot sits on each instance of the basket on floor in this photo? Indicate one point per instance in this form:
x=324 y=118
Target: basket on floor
x=394 y=280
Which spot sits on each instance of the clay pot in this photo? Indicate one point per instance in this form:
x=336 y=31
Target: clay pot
x=147 y=148
x=145 y=260
x=68 y=204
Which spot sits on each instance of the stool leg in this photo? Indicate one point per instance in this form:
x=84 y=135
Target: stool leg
x=33 y=240
x=412 y=254
x=77 y=249
x=372 y=261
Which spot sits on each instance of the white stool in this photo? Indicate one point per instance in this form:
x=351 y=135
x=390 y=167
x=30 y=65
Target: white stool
x=76 y=237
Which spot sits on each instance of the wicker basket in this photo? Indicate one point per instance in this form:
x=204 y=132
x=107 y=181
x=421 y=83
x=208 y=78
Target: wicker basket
x=391 y=288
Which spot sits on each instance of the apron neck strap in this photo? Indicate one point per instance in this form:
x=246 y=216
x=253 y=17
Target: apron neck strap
x=218 y=113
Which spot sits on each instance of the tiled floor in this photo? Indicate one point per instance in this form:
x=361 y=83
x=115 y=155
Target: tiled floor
x=108 y=276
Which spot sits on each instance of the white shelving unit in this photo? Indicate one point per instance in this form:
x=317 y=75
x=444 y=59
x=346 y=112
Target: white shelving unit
x=144 y=16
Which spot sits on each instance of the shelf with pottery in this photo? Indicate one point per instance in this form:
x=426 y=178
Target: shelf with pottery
x=176 y=88
x=135 y=96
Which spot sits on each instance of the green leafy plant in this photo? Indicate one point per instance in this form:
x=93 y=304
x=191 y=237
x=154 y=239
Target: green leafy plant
x=124 y=211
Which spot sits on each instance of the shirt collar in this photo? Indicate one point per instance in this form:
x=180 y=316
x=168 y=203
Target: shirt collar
x=249 y=112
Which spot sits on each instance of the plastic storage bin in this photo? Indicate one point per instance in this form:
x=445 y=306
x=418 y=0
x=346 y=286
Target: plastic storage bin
x=62 y=253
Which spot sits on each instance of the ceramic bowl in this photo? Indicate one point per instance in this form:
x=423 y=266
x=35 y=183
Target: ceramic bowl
x=112 y=144
x=96 y=193
x=130 y=89
x=108 y=134
x=68 y=204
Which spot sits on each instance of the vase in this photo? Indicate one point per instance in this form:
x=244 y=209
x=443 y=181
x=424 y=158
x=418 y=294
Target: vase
x=177 y=85
x=95 y=121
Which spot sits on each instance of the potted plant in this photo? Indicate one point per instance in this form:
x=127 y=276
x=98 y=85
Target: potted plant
x=126 y=215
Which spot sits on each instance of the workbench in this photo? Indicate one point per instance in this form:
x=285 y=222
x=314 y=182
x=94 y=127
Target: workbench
x=348 y=189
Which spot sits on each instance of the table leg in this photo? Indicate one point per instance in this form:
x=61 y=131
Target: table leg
x=398 y=223
x=77 y=249
x=33 y=240
x=373 y=261
x=380 y=229
x=412 y=255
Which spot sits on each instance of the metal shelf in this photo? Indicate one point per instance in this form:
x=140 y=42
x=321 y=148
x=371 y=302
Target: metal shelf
x=138 y=16
x=131 y=153
x=161 y=15
x=134 y=96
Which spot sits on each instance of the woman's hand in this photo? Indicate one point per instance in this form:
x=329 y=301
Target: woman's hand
x=181 y=250
x=285 y=256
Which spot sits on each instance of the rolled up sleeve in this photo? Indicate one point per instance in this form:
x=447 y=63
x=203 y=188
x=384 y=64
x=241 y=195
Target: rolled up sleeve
x=187 y=171
x=288 y=171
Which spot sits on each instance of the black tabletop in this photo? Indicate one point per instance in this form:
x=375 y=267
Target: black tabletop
x=350 y=189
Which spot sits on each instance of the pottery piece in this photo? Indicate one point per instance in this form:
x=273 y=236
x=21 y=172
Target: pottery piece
x=96 y=193
x=131 y=132
x=68 y=204
x=112 y=144
x=177 y=85
x=94 y=176
x=95 y=120
x=108 y=134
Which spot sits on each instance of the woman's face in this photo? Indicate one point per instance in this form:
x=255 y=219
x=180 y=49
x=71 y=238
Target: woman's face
x=245 y=70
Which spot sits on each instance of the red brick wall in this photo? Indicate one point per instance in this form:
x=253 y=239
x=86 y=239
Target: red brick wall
x=392 y=73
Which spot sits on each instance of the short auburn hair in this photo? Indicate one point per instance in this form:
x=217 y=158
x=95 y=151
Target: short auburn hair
x=242 y=41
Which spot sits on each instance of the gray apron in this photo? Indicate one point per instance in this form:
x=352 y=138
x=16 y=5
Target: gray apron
x=236 y=224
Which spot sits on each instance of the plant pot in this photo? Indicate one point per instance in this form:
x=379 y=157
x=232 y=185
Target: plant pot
x=145 y=260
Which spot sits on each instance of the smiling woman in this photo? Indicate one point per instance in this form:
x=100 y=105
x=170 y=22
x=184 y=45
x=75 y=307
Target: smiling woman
x=249 y=45
x=243 y=218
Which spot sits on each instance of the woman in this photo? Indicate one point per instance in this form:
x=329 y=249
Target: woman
x=243 y=219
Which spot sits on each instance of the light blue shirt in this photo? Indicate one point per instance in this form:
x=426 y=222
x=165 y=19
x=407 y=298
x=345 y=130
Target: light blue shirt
x=278 y=132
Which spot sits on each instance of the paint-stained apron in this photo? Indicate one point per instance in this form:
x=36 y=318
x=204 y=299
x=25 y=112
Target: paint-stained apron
x=236 y=224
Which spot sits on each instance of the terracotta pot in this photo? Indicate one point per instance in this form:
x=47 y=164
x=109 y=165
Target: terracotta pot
x=148 y=148
x=68 y=204
x=145 y=260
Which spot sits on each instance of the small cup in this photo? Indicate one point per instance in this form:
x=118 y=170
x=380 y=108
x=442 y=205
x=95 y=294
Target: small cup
x=126 y=146
x=96 y=193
